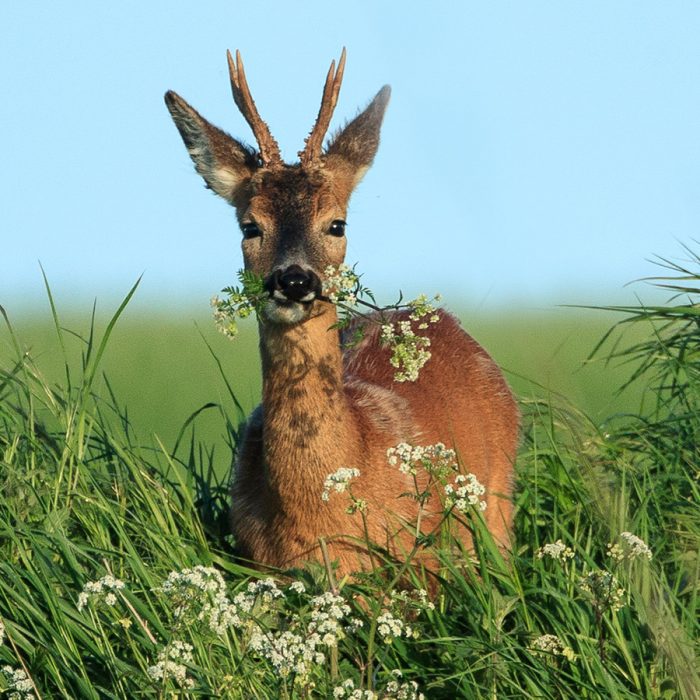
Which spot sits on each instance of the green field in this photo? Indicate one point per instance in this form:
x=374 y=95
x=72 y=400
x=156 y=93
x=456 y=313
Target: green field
x=118 y=580
x=164 y=370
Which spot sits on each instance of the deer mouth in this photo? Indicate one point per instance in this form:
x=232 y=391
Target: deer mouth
x=287 y=312
x=283 y=299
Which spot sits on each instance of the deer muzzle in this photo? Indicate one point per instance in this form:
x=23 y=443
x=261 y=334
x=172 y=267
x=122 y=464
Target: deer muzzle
x=293 y=284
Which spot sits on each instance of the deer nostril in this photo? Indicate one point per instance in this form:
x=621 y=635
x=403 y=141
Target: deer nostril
x=295 y=284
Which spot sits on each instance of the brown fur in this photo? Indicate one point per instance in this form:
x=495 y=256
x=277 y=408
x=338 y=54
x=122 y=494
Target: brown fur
x=322 y=409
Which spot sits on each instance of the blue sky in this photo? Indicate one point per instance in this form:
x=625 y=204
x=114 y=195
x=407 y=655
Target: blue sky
x=533 y=154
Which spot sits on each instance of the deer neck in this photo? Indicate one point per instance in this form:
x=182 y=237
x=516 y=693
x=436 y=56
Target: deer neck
x=308 y=431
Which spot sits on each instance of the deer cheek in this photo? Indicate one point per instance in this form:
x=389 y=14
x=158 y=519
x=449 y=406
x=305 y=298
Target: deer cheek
x=335 y=250
x=252 y=258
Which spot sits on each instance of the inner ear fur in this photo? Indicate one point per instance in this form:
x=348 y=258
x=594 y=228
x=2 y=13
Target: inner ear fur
x=225 y=163
x=357 y=142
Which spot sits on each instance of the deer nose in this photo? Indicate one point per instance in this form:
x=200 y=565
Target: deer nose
x=294 y=284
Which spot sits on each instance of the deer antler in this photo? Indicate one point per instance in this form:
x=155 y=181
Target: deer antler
x=269 y=150
x=314 y=141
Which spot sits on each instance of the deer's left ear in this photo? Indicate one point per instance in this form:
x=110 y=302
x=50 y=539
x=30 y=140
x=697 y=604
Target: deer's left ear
x=223 y=162
x=356 y=143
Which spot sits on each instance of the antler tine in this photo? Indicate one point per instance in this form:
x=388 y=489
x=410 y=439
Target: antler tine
x=269 y=150
x=314 y=141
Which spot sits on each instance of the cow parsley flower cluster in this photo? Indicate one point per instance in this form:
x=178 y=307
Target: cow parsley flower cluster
x=341 y=284
x=555 y=550
x=250 y=606
x=603 y=590
x=264 y=626
x=239 y=302
x=551 y=644
x=412 y=459
x=409 y=350
x=296 y=650
x=411 y=599
x=297 y=587
x=200 y=594
x=408 y=690
x=291 y=644
x=19 y=685
x=402 y=605
x=225 y=315
x=288 y=652
x=338 y=481
x=396 y=689
x=423 y=310
x=171 y=664
x=2 y=631
x=630 y=547
x=101 y=590
x=347 y=691
x=463 y=493
x=328 y=611
x=390 y=627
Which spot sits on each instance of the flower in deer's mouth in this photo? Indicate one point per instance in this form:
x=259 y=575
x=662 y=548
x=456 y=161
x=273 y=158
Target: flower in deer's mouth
x=341 y=284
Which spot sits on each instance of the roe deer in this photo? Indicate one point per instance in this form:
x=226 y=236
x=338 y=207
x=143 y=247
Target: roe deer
x=323 y=408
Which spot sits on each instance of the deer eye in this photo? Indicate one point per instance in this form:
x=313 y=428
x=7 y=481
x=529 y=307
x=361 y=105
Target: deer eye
x=251 y=230
x=337 y=228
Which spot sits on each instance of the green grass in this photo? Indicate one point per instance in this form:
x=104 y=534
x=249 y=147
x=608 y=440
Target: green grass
x=87 y=490
x=163 y=370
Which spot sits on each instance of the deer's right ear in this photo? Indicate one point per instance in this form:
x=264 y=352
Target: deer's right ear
x=224 y=163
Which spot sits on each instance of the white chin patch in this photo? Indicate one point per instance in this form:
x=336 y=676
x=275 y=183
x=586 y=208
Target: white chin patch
x=289 y=312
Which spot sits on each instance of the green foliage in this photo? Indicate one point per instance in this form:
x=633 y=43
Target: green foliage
x=86 y=505
x=343 y=288
x=239 y=302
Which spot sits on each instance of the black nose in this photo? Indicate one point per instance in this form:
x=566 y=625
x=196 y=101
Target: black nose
x=294 y=283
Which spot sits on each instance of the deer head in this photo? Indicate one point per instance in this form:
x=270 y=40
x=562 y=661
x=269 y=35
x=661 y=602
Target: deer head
x=292 y=216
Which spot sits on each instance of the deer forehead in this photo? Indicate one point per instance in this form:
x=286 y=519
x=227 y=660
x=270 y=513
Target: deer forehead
x=295 y=195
